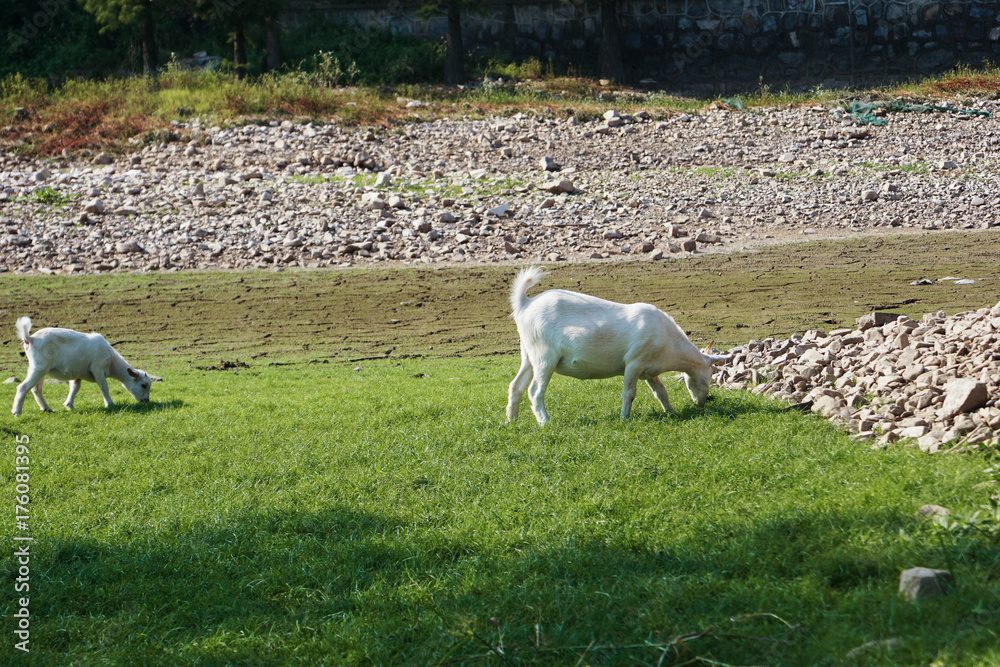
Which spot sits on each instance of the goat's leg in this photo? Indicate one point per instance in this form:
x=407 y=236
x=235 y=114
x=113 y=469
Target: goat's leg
x=36 y=391
x=74 y=386
x=628 y=390
x=517 y=387
x=34 y=378
x=656 y=384
x=102 y=384
x=543 y=373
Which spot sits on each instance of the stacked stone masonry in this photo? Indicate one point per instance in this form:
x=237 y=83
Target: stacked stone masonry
x=715 y=44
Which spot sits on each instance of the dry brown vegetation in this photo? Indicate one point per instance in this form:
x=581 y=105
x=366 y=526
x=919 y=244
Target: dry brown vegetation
x=105 y=115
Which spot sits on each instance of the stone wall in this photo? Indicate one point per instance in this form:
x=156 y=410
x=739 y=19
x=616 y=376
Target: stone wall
x=717 y=45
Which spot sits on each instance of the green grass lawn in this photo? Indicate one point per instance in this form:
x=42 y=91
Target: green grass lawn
x=381 y=513
x=347 y=493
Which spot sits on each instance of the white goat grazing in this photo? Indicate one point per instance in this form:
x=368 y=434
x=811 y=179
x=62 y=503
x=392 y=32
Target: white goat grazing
x=589 y=338
x=70 y=355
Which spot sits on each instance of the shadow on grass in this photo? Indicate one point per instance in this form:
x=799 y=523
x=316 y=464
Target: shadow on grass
x=321 y=586
x=729 y=406
x=143 y=408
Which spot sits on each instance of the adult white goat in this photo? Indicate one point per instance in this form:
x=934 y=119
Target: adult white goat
x=70 y=355
x=589 y=338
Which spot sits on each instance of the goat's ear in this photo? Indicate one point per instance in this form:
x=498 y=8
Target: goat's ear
x=132 y=374
x=155 y=379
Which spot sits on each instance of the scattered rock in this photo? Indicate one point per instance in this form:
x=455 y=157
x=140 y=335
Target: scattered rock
x=557 y=187
x=500 y=211
x=922 y=583
x=933 y=510
x=94 y=206
x=548 y=164
x=127 y=247
x=876 y=319
x=246 y=187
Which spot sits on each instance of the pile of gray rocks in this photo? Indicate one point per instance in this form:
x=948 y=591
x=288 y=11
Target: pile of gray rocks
x=933 y=382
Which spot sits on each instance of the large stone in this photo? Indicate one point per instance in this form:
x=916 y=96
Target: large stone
x=963 y=395
x=500 y=211
x=933 y=510
x=923 y=583
x=875 y=319
x=548 y=164
x=828 y=406
x=557 y=187
x=127 y=247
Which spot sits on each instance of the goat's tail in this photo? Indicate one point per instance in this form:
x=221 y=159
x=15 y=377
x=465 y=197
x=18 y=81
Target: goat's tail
x=23 y=327
x=525 y=280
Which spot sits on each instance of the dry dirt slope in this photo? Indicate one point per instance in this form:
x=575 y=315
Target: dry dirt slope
x=203 y=318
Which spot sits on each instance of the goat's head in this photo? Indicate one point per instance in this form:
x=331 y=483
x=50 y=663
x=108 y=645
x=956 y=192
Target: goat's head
x=139 y=383
x=699 y=380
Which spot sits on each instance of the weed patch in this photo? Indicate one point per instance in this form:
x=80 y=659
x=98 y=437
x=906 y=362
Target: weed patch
x=50 y=197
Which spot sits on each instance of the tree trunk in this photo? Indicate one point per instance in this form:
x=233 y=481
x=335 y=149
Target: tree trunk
x=609 y=57
x=454 y=68
x=240 y=51
x=274 y=53
x=150 y=62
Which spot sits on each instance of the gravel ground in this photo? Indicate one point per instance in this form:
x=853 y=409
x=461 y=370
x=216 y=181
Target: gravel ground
x=526 y=189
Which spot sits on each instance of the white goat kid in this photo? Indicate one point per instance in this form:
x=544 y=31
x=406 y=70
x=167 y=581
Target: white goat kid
x=588 y=338
x=70 y=355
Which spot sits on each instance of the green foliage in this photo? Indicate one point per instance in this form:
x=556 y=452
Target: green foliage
x=325 y=69
x=230 y=12
x=51 y=197
x=377 y=56
x=532 y=68
x=971 y=535
x=19 y=90
x=114 y=14
x=35 y=41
